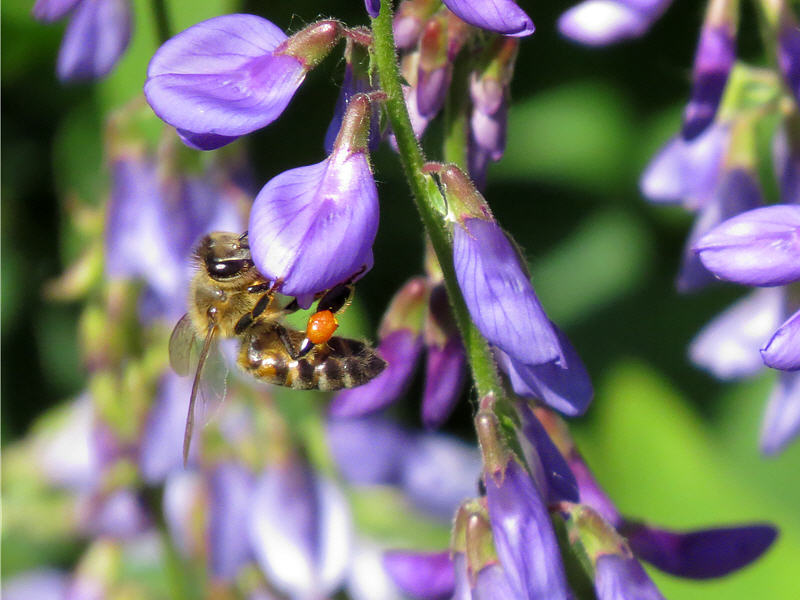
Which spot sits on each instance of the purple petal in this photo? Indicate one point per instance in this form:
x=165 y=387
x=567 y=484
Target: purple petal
x=783 y=349
x=353 y=84
x=602 y=22
x=185 y=498
x=564 y=386
x=432 y=89
x=619 y=578
x=439 y=472
x=400 y=350
x=463 y=586
x=205 y=141
x=161 y=446
x=445 y=370
x=97 y=35
x=737 y=192
x=418 y=122
x=540 y=449
x=221 y=77
x=313 y=227
x=428 y=576
x=373 y=7
x=716 y=54
x=300 y=531
x=782 y=420
x=789 y=55
x=120 y=514
x=48 y=11
x=786 y=158
x=728 y=345
x=359 y=458
x=499 y=295
x=687 y=171
x=492 y=584
x=524 y=537
x=500 y=16
x=39 y=584
x=700 y=554
x=230 y=493
x=590 y=491
x=760 y=247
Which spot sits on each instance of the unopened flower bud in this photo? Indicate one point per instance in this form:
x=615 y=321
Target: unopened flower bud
x=312 y=44
x=493 y=446
x=464 y=201
x=434 y=67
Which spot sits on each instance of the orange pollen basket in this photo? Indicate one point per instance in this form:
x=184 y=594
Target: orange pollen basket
x=321 y=326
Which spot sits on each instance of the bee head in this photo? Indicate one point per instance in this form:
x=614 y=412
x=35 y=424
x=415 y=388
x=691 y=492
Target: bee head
x=225 y=256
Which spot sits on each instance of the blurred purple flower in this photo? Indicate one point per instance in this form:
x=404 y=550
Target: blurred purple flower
x=230 y=494
x=728 y=345
x=445 y=369
x=313 y=227
x=687 y=171
x=438 y=472
x=782 y=351
x=716 y=53
x=789 y=51
x=185 y=506
x=620 y=578
x=524 y=537
x=500 y=16
x=360 y=459
x=782 y=419
x=736 y=192
x=224 y=77
x=491 y=583
x=499 y=295
x=602 y=22
x=786 y=158
x=38 y=584
x=563 y=385
x=701 y=554
x=400 y=349
x=367 y=578
x=119 y=514
x=760 y=247
x=96 y=37
x=300 y=531
x=424 y=575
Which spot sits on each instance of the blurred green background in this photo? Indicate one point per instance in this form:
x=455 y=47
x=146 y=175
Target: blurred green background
x=671 y=444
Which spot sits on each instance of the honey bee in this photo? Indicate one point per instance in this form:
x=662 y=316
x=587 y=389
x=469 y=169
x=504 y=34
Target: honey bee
x=228 y=297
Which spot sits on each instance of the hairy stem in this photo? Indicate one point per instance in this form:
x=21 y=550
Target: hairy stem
x=428 y=200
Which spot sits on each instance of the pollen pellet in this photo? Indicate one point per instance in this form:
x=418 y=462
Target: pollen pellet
x=321 y=326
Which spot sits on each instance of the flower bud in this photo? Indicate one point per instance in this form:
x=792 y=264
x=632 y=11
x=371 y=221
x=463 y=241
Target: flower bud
x=312 y=227
x=493 y=447
x=464 y=201
x=716 y=53
x=312 y=44
x=409 y=19
x=602 y=22
x=434 y=68
x=500 y=16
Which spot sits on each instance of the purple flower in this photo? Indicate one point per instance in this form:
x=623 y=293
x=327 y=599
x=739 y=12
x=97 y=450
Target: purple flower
x=783 y=349
x=602 y=22
x=760 y=247
x=499 y=295
x=373 y=7
x=96 y=37
x=782 y=419
x=224 y=77
x=359 y=458
x=728 y=345
x=230 y=493
x=716 y=53
x=444 y=379
x=524 y=537
x=786 y=158
x=39 y=584
x=701 y=554
x=491 y=583
x=736 y=192
x=438 y=472
x=300 y=531
x=500 y=16
x=119 y=514
x=434 y=69
x=620 y=578
x=313 y=227
x=687 y=171
x=367 y=578
x=563 y=385
x=400 y=349
x=789 y=52
x=428 y=576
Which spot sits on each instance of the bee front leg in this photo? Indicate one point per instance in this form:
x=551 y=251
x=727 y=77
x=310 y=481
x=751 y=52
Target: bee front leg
x=247 y=319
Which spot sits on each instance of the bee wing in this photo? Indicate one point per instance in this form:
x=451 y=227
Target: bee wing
x=182 y=344
x=198 y=377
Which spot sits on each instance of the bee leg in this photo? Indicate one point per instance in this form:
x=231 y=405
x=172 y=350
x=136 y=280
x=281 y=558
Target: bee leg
x=247 y=319
x=335 y=298
x=293 y=306
x=287 y=343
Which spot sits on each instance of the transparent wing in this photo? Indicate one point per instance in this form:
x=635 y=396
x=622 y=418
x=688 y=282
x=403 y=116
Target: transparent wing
x=183 y=347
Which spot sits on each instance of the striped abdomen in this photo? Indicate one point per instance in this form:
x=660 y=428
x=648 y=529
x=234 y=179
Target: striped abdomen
x=342 y=363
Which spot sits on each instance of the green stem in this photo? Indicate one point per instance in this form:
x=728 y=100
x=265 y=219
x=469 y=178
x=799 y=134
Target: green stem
x=427 y=199
x=163 y=28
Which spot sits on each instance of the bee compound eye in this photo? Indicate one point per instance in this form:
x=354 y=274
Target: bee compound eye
x=223 y=269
